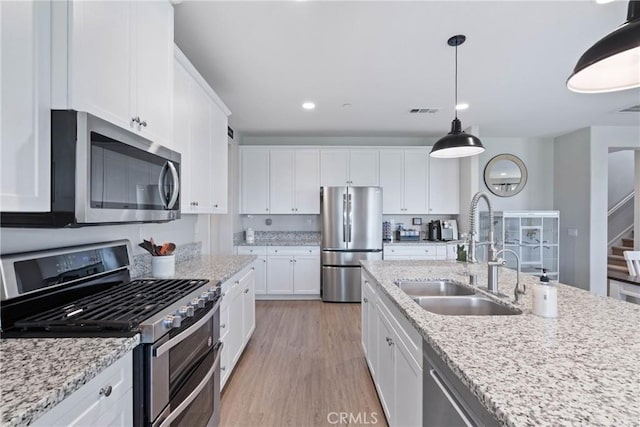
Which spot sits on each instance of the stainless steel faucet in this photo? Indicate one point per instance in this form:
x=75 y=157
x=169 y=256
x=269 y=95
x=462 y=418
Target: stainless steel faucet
x=493 y=274
x=473 y=212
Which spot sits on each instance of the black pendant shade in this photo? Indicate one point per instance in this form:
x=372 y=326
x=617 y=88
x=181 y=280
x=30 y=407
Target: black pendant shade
x=457 y=143
x=613 y=63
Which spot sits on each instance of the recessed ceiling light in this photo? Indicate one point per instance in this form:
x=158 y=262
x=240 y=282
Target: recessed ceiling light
x=503 y=174
x=462 y=106
x=308 y=105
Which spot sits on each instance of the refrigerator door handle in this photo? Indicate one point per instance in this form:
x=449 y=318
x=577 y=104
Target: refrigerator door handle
x=349 y=207
x=344 y=217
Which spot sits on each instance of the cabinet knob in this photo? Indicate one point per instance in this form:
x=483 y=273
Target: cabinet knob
x=143 y=123
x=215 y=206
x=224 y=325
x=106 y=391
x=224 y=368
x=267 y=209
x=292 y=209
x=246 y=291
x=389 y=341
x=135 y=119
x=365 y=300
x=264 y=260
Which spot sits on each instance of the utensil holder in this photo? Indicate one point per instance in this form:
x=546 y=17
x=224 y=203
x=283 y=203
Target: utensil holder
x=163 y=267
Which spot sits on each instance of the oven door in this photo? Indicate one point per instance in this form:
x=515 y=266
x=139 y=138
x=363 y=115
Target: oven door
x=183 y=386
x=122 y=177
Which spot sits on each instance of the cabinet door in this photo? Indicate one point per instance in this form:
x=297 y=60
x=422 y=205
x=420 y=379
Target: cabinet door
x=373 y=330
x=408 y=388
x=444 y=188
x=235 y=335
x=281 y=182
x=385 y=373
x=153 y=62
x=25 y=107
x=392 y=181
x=415 y=181
x=306 y=182
x=261 y=275
x=181 y=118
x=198 y=167
x=334 y=168
x=101 y=49
x=364 y=167
x=247 y=285
x=254 y=181
x=306 y=275
x=219 y=165
x=280 y=273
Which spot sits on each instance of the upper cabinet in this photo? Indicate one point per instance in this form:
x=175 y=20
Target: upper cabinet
x=353 y=167
x=25 y=117
x=254 y=181
x=404 y=179
x=200 y=134
x=444 y=186
x=115 y=60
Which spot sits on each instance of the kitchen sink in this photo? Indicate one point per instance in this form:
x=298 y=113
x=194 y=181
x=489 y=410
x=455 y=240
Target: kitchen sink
x=433 y=288
x=465 y=306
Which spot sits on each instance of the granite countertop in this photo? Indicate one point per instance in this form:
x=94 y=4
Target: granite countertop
x=216 y=268
x=38 y=373
x=422 y=243
x=582 y=368
x=279 y=243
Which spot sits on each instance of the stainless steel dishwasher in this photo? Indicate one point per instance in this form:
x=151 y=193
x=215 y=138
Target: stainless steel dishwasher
x=445 y=400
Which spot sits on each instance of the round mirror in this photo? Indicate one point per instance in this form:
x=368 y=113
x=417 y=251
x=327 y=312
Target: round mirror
x=505 y=175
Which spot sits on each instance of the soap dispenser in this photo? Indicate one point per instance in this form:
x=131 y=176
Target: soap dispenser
x=545 y=297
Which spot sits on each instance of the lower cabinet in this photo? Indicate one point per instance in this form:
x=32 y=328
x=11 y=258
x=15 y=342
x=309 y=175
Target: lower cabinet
x=393 y=350
x=237 y=318
x=432 y=252
x=106 y=400
x=285 y=271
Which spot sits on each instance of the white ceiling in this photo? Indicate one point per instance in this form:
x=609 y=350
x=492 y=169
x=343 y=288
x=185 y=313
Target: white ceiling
x=265 y=58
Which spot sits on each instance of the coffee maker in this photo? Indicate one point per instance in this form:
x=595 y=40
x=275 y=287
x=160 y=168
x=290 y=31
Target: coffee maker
x=448 y=230
x=434 y=231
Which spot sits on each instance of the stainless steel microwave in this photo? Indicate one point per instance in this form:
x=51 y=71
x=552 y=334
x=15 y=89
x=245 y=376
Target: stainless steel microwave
x=103 y=174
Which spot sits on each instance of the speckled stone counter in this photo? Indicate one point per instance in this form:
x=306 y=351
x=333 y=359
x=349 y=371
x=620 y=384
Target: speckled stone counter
x=216 y=268
x=582 y=368
x=280 y=238
x=37 y=374
x=280 y=243
x=422 y=243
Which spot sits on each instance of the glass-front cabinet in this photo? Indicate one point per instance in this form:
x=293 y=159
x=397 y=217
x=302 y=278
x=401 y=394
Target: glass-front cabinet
x=533 y=235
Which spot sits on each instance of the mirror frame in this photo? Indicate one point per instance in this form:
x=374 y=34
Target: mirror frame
x=515 y=159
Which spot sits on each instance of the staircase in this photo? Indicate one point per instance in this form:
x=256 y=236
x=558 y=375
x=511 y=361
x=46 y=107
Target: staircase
x=616 y=261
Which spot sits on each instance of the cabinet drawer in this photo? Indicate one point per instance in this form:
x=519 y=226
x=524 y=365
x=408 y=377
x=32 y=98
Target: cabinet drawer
x=293 y=250
x=87 y=405
x=251 y=250
x=224 y=320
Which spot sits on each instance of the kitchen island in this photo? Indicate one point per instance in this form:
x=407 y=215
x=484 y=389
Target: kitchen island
x=582 y=368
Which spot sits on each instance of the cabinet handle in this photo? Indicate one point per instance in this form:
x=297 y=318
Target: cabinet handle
x=106 y=391
x=143 y=123
x=224 y=368
x=296 y=209
x=215 y=206
x=389 y=341
x=197 y=203
x=224 y=325
x=264 y=260
x=365 y=300
x=267 y=209
x=292 y=209
x=253 y=268
x=246 y=291
x=135 y=119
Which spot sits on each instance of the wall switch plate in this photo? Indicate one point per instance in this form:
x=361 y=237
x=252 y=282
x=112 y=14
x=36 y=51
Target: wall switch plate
x=573 y=232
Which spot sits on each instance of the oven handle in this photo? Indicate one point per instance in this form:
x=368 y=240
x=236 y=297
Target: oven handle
x=184 y=334
x=194 y=394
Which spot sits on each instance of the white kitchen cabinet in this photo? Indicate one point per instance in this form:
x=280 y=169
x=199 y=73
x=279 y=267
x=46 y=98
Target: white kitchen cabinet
x=260 y=265
x=444 y=187
x=200 y=124
x=393 y=349
x=117 y=63
x=293 y=270
x=415 y=252
x=353 y=167
x=281 y=176
x=237 y=318
x=91 y=406
x=403 y=178
x=254 y=181
x=25 y=116
x=306 y=181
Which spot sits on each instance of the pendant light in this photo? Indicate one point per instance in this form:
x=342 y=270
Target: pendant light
x=613 y=63
x=457 y=143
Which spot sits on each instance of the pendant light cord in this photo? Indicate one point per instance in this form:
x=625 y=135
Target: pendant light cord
x=456 y=85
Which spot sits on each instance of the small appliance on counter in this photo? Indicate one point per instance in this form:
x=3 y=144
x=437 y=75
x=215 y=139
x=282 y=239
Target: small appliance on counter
x=434 y=231
x=408 y=235
x=250 y=236
x=386 y=231
x=448 y=229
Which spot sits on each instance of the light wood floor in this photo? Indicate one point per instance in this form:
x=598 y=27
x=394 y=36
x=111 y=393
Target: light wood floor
x=303 y=364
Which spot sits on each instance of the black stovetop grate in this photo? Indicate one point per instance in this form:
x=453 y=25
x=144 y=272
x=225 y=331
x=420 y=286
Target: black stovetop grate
x=121 y=308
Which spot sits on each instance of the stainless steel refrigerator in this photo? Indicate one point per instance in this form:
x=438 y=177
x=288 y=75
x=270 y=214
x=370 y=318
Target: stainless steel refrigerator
x=351 y=228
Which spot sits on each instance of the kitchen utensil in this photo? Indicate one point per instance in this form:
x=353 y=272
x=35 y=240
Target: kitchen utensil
x=171 y=247
x=163 y=249
x=146 y=245
x=156 y=249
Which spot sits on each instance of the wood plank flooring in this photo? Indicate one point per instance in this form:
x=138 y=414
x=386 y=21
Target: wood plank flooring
x=302 y=367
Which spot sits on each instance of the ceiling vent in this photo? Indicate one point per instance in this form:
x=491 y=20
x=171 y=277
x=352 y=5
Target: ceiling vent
x=423 y=110
x=632 y=109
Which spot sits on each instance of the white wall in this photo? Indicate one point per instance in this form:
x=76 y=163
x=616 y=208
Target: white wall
x=621 y=175
x=572 y=197
x=188 y=229
x=538 y=157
